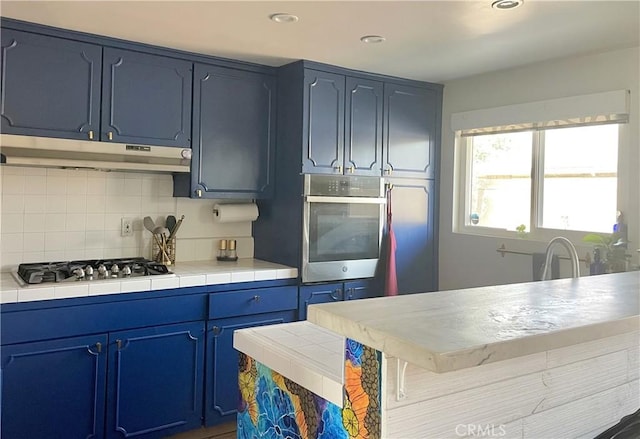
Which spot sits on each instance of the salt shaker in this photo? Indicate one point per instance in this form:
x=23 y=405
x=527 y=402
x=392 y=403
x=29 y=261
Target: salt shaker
x=222 y=249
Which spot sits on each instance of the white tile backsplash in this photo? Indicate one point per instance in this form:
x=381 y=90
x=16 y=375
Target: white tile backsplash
x=58 y=214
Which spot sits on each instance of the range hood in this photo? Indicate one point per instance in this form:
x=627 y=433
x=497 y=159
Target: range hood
x=65 y=153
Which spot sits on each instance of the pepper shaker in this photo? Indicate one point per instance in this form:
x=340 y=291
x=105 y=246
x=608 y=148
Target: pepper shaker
x=232 y=254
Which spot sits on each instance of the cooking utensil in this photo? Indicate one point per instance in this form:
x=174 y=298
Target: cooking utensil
x=159 y=230
x=160 y=236
x=148 y=223
x=171 y=223
x=175 y=229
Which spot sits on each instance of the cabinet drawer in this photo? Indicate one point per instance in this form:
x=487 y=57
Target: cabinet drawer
x=245 y=302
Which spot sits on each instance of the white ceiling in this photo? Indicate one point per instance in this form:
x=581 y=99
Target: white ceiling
x=426 y=40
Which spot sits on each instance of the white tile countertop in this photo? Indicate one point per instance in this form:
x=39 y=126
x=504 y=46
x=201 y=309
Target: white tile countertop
x=185 y=274
x=301 y=351
x=450 y=330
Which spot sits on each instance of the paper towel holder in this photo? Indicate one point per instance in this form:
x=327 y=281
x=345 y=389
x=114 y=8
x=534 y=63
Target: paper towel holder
x=235 y=212
x=215 y=211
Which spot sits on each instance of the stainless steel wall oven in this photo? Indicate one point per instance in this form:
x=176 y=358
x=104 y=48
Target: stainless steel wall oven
x=343 y=218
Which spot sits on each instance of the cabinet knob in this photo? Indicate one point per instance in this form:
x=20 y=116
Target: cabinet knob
x=110 y=135
x=199 y=193
x=99 y=347
x=388 y=171
x=335 y=294
x=90 y=134
x=338 y=169
x=351 y=169
x=216 y=330
x=256 y=298
x=119 y=344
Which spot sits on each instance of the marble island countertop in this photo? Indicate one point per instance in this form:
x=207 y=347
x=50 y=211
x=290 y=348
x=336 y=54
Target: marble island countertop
x=451 y=330
x=184 y=274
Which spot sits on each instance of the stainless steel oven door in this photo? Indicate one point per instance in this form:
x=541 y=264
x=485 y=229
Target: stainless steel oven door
x=341 y=237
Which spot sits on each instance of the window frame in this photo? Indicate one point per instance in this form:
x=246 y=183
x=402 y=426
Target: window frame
x=463 y=195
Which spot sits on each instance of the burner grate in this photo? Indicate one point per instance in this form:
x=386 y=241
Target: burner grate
x=89 y=270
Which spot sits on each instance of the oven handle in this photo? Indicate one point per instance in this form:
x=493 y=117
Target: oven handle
x=344 y=200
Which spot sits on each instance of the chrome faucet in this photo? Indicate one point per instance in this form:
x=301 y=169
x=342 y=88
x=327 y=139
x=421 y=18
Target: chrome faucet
x=573 y=256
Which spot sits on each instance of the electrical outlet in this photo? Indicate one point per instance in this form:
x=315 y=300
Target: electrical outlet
x=126 y=227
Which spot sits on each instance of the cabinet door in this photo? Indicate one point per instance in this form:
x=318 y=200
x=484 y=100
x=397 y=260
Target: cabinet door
x=311 y=294
x=361 y=289
x=146 y=99
x=155 y=381
x=50 y=86
x=234 y=132
x=54 y=389
x=411 y=131
x=414 y=225
x=363 y=127
x=222 y=394
x=323 y=123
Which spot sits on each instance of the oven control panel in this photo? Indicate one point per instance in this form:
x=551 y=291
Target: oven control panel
x=343 y=186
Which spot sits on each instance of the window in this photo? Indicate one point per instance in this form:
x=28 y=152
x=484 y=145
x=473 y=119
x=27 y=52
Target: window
x=541 y=167
x=554 y=178
x=500 y=177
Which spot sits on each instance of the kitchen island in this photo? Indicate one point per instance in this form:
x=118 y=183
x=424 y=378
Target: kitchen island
x=536 y=360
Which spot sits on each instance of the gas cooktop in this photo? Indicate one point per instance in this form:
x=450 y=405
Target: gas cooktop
x=89 y=270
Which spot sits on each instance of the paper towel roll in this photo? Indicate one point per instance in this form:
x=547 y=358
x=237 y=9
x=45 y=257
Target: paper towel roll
x=233 y=213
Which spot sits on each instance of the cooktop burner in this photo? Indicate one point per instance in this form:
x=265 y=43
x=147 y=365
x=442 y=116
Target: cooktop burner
x=89 y=270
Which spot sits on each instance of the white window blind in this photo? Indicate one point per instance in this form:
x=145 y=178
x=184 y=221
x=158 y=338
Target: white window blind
x=591 y=109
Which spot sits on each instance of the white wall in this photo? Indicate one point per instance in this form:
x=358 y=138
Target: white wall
x=56 y=215
x=467 y=261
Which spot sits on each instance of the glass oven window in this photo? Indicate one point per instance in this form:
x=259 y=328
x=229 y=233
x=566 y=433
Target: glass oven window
x=343 y=231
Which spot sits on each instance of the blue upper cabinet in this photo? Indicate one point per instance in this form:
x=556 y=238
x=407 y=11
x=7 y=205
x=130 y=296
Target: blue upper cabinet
x=411 y=127
x=358 y=123
x=323 y=128
x=50 y=86
x=234 y=134
x=342 y=124
x=146 y=99
x=363 y=127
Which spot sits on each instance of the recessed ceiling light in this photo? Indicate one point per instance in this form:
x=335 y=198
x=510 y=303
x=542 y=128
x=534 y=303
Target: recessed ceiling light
x=282 y=17
x=506 y=4
x=372 y=39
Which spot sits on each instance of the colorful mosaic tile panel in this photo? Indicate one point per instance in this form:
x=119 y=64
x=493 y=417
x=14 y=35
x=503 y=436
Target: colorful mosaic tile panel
x=273 y=406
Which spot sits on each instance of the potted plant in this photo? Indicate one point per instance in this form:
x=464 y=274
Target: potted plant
x=610 y=253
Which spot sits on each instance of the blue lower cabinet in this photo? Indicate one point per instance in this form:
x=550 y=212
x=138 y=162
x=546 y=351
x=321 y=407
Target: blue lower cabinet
x=334 y=292
x=361 y=289
x=221 y=394
x=324 y=293
x=155 y=382
x=54 y=389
